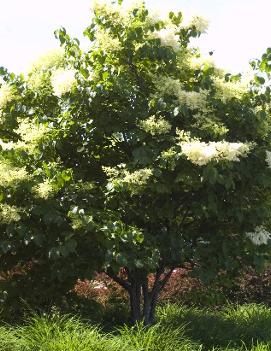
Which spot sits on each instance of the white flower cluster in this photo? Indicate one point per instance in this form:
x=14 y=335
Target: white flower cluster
x=9 y=214
x=260 y=236
x=139 y=177
x=104 y=5
x=114 y=9
x=200 y=153
x=134 y=180
x=193 y=99
x=156 y=15
x=197 y=62
x=39 y=70
x=169 y=154
x=155 y=126
x=168 y=37
x=128 y=5
x=44 y=190
x=169 y=158
x=62 y=81
x=10 y=175
x=6 y=146
x=31 y=132
x=229 y=90
x=107 y=42
x=200 y=23
x=6 y=94
x=52 y=59
x=268 y=159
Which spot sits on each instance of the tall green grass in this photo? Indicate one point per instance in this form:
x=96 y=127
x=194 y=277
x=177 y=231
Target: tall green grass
x=63 y=333
x=234 y=326
x=9 y=340
x=241 y=328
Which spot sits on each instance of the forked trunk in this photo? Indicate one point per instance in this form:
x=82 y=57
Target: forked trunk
x=143 y=299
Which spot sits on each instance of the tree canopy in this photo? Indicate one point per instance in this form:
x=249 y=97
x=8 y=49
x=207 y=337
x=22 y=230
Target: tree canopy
x=135 y=153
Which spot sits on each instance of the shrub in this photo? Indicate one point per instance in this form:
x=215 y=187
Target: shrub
x=181 y=288
x=251 y=287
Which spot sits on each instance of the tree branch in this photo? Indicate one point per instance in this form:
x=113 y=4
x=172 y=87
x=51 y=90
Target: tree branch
x=159 y=284
x=166 y=278
x=125 y=284
x=158 y=274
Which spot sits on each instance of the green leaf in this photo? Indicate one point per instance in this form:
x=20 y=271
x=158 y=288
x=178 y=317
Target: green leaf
x=84 y=72
x=105 y=75
x=139 y=264
x=210 y=174
x=258 y=79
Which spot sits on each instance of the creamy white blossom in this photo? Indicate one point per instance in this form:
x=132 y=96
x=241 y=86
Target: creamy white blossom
x=117 y=11
x=29 y=131
x=133 y=181
x=200 y=23
x=229 y=90
x=201 y=153
x=38 y=71
x=156 y=15
x=193 y=99
x=232 y=151
x=9 y=214
x=199 y=61
x=107 y=42
x=129 y=5
x=51 y=59
x=6 y=145
x=169 y=158
x=10 y=175
x=260 y=236
x=139 y=177
x=6 y=95
x=168 y=37
x=30 y=135
x=155 y=125
x=44 y=190
x=62 y=81
x=104 y=5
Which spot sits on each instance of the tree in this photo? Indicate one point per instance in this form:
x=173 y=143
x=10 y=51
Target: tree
x=133 y=154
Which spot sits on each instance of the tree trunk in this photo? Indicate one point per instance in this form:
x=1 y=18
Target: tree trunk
x=151 y=317
x=135 y=301
x=149 y=303
x=140 y=294
x=147 y=299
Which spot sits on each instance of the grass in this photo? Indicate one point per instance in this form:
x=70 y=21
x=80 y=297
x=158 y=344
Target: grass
x=241 y=328
x=236 y=328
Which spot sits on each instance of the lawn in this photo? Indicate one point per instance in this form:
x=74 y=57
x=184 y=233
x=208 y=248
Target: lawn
x=246 y=327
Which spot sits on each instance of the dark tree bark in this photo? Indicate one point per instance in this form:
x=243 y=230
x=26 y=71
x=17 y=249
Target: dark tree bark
x=135 y=300
x=143 y=300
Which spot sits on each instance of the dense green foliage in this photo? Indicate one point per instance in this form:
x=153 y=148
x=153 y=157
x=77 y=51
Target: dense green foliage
x=134 y=153
x=179 y=329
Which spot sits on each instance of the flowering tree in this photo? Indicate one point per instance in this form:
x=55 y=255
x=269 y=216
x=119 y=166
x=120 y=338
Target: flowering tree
x=135 y=153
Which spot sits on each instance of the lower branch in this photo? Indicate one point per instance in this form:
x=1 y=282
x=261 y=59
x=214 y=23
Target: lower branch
x=124 y=283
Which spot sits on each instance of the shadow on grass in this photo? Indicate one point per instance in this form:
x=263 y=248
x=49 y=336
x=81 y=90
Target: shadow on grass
x=232 y=327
